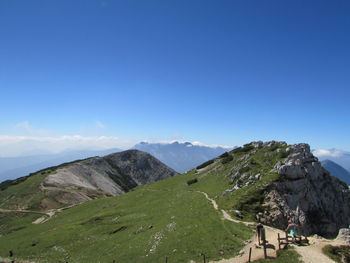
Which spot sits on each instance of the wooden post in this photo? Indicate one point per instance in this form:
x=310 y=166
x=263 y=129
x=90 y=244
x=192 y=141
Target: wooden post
x=263 y=237
x=250 y=254
x=204 y=260
x=166 y=259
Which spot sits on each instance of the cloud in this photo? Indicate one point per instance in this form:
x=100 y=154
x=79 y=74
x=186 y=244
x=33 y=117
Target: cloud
x=100 y=125
x=27 y=145
x=328 y=153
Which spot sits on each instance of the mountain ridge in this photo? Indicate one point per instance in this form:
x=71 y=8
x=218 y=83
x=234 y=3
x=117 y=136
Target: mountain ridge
x=181 y=156
x=82 y=180
x=336 y=170
x=14 y=167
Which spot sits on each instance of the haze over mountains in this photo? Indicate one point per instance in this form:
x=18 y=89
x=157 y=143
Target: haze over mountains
x=182 y=156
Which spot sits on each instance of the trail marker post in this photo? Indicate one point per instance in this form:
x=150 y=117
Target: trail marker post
x=263 y=238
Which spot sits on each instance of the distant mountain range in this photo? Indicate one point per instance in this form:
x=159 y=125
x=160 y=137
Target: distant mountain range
x=181 y=156
x=13 y=167
x=337 y=170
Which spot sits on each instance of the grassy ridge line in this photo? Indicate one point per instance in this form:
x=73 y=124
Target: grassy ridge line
x=217 y=176
x=25 y=193
x=145 y=225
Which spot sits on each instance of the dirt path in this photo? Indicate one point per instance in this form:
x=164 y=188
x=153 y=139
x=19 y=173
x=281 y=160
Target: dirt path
x=46 y=214
x=309 y=254
x=257 y=252
x=313 y=253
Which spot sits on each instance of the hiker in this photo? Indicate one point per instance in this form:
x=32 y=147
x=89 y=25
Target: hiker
x=292 y=229
x=259 y=229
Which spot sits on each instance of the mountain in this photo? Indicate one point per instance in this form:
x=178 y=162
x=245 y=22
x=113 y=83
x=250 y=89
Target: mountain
x=340 y=157
x=13 y=167
x=177 y=218
x=181 y=156
x=83 y=180
x=337 y=170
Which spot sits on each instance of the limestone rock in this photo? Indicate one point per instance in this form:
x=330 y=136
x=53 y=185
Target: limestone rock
x=319 y=202
x=344 y=235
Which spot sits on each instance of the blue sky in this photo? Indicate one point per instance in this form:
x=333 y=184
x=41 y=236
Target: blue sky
x=219 y=72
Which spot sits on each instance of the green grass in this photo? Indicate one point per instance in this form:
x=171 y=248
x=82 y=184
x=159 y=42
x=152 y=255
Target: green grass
x=12 y=222
x=216 y=178
x=127 y=228
x=337 y=252
x=165 y=218
x=25 y=195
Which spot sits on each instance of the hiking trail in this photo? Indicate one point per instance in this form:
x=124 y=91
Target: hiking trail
x=309 y=254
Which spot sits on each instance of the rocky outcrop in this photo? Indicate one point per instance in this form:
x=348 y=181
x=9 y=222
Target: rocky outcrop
x=320 y=203
x=344 y=235
x=113 y=174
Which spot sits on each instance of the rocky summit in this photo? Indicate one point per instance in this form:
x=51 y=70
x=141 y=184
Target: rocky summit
x=307 y=193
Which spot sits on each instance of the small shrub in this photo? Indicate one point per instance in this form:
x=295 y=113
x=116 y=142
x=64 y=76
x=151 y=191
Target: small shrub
x=283 y=154
x=192 y=181
x=227 y=159
x=205 y=164
x=337 y=253
x=253 y=162
x=225 y=154
x=244 y=149
x=274 y=147
x=244 y=169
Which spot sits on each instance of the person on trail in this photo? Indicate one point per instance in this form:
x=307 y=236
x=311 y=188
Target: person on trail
x=292 y=229
x=259 y=229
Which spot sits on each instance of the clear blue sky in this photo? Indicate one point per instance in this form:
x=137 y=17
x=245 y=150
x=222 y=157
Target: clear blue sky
x=219 y=72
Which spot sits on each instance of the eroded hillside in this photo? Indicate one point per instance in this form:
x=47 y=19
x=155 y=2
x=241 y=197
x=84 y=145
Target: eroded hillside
x=81 y=181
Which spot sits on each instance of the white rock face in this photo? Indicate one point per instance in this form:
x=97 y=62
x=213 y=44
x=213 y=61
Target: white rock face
x=319 y=202
x=344 y=235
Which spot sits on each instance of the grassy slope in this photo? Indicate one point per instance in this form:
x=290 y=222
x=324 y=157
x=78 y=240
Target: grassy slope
x=166 y=218
x=184 y=222
x=27 y=194
x=247 y=199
